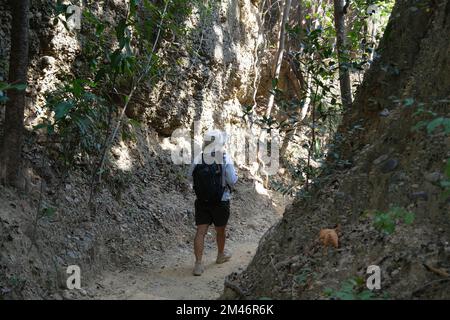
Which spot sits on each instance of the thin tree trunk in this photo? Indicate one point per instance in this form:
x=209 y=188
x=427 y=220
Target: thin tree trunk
x=280 y=52
x=110 y=139
x=313 y=138
x=344 y=74
x=299 y=82
x=299 y=89
x=261 y=21
x=319 y=11
x=14 y=115
x=372 y=25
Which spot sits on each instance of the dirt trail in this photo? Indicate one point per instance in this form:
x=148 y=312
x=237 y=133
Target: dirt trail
x=169 y=275
x=172 y=278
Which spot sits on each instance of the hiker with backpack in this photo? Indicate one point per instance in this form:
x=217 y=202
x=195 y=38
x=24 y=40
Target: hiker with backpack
x=213 y=176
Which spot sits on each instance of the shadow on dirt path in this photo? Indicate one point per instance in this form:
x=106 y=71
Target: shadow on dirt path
x=169 y=275
x=173 y=279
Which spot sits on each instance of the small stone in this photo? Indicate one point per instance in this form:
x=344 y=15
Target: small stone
x=389 y=165
x=420 y=195
x=385 y=112
x=66 y=295
x=380 y=159
x=47 y=61
x=252 y=226
x=56 y=296
x=415 y=186
x=433 y=177
x=5 y=291
x=395 y=272
x=340 y=195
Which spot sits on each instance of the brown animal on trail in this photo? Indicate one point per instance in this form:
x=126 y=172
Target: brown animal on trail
x=329 y=237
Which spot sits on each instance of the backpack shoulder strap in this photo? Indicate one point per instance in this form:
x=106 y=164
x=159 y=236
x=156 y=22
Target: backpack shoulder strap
x=196 y=164
x=222 y=172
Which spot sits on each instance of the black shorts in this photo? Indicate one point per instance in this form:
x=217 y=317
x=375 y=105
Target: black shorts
x=212 y=213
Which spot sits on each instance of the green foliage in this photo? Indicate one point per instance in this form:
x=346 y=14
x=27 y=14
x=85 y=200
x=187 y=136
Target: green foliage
x=116 y=58
x=77 y=120
x=298 y=179
x=4 y=86
x=351 y=289
x=447 y=169
x=48 y=212
x=387 y=221
x=268 y=123
x=61 y=15
x=16 y=283
x=360 y=44
x=303 y=276
x=247 y=112
x=445 y=183
x=316 y=59
x=433 y=124
x=436 y=122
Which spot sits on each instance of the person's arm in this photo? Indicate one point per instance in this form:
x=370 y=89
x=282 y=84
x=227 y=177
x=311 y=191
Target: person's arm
x=230 y=173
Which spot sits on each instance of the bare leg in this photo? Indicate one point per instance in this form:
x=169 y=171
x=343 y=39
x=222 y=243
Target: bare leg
x=220 y=237
x=199 y=241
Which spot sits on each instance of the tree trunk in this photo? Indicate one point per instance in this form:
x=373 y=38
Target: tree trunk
x=344 y=74
x=280 y=52
x=415 y=42
x=18 y=66
x=256 y=65
x=299 y=82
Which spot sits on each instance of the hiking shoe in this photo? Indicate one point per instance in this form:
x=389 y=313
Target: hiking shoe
x=224 y=257
x=198 y=269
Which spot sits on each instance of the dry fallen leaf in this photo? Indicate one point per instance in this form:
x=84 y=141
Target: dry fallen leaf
x=329 y=237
